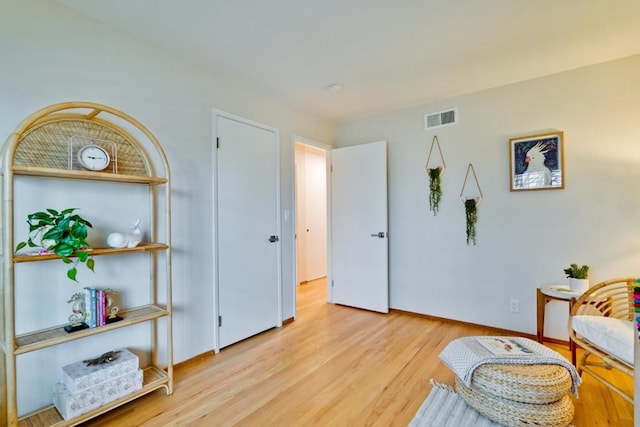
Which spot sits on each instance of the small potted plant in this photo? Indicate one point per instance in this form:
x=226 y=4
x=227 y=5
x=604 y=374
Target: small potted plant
x=578 y=277
x=62 y=233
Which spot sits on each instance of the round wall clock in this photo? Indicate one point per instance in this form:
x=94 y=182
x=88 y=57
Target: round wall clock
x=93 y=157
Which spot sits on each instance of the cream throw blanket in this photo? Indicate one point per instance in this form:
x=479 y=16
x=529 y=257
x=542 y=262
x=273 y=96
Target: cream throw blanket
x=464 y=355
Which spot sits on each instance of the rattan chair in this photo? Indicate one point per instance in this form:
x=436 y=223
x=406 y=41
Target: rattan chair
x=601 y=322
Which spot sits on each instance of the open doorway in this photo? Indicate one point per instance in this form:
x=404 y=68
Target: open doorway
x=311 y=214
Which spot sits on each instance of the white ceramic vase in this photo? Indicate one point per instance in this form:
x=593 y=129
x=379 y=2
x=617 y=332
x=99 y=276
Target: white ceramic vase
x=578 y=285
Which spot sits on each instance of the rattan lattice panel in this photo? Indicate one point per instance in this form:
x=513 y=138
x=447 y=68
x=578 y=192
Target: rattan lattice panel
x=45 y=145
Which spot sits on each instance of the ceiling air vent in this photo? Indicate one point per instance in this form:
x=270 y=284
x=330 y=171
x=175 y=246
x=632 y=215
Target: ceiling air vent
x=440 y=118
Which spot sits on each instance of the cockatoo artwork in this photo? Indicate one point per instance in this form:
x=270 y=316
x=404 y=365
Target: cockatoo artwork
x=536 y=174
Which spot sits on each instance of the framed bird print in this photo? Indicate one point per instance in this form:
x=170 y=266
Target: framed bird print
x=537 y=162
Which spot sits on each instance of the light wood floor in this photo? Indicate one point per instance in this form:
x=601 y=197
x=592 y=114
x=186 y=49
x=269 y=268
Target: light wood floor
x=333 y=366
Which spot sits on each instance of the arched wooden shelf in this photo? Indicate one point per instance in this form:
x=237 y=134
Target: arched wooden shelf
x=44 y=146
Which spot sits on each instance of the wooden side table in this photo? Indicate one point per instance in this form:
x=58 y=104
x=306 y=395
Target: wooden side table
x=546 y=293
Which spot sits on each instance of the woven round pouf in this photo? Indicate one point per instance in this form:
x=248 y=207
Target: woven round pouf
x=511 y=413
x=523 y=383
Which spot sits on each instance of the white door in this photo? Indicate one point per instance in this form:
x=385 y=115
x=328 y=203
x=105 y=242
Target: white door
x=316 y=226
x=301 y=213
x=247 y=230
x=311 y=208
x=359 y=255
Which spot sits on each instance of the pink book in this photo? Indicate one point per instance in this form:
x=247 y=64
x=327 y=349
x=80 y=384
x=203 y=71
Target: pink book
x=101 y=314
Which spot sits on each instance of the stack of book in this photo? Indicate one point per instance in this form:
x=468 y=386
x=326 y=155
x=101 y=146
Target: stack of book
x=96 y=306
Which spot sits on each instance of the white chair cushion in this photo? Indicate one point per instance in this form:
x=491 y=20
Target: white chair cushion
x=614 y=336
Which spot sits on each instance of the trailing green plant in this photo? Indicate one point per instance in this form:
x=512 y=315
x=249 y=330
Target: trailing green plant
x=435 y=189
x=62 y=233
x=471 y=209
x=575 y=272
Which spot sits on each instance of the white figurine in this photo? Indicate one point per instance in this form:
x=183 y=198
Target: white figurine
x=126 y=240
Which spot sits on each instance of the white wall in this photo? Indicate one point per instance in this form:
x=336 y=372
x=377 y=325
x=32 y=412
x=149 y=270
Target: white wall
x=524 y=239
x=52 y=54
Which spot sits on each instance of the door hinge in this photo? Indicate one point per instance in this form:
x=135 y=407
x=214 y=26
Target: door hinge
x=332 y=283
x=219 y=321
x=217 y=142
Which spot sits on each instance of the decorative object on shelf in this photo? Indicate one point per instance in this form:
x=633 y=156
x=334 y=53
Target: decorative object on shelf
x=435 y=180
x=107 y=357
x=471 y=205
x=76 y=320
x=126 y=240
x=62 y=233
x=93 y=158
x=111 y=308
x=93 y=154
x=578 y=277
x=537 y=162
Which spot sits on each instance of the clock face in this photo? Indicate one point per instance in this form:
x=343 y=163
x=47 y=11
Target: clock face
x=93 y=157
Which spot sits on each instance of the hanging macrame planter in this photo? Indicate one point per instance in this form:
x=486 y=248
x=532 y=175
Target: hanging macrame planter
x=435 y=180
x=471 y=206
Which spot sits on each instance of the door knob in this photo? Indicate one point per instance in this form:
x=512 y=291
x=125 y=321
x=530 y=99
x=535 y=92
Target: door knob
x=273 y=239
x=379 y=235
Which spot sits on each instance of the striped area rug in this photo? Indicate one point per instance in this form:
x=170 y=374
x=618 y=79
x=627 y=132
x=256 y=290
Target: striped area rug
x=445 y=408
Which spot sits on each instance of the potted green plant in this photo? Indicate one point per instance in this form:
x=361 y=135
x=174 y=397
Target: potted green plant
x=435 y=188
x=471 y=209
x=62 y=233
x=578 y=277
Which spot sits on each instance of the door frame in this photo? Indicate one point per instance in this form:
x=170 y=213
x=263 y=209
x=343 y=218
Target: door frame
x=294 y=215
x=216 y=283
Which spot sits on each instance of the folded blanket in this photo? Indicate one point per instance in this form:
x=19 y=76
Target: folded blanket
x=464 y=355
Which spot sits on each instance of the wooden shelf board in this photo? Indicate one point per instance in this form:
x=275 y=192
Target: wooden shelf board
x=154 y=378
x=87 y=175
x=143 y=247
x=57 y=335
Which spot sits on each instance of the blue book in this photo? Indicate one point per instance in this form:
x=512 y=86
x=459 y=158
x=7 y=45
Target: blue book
x=87 y=306
x=90 y=307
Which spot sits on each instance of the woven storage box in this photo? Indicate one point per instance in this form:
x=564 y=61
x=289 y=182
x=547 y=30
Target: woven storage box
x=511 y=413
x=523 y=383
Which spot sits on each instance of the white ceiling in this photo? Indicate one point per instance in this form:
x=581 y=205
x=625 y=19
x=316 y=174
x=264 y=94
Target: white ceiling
x=389 y=54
